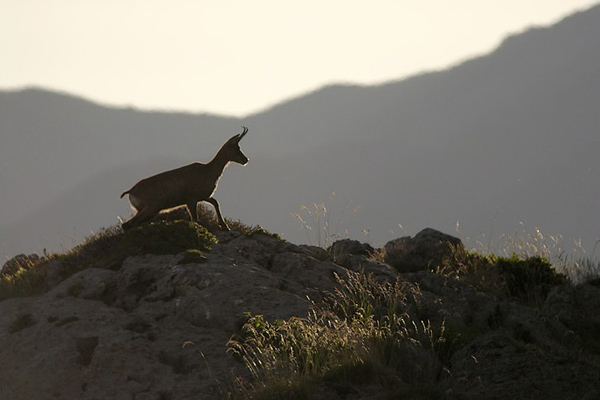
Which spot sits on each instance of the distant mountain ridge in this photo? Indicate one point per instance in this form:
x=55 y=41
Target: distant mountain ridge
x=508 y=137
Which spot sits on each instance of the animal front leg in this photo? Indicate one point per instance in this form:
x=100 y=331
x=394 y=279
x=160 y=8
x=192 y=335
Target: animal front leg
x=215 y=204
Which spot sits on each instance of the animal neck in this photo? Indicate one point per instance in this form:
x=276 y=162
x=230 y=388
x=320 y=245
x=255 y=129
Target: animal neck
x=219 y=162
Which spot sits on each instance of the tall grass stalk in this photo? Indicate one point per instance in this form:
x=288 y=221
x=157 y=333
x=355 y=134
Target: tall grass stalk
x=316 y=221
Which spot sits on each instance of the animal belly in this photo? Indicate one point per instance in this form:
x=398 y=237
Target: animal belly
x=169 y=202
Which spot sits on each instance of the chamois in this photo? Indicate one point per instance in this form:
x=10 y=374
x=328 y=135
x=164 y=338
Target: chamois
x=184 y=186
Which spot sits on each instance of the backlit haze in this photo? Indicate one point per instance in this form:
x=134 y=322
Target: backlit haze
x=238 y=57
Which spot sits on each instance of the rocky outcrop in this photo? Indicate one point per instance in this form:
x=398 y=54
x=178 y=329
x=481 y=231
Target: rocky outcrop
x=429 y=249
x=157 y=327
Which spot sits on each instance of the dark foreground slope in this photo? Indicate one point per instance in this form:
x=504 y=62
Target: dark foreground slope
x=112 y=321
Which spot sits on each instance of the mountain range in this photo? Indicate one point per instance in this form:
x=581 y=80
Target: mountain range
x=503 y=141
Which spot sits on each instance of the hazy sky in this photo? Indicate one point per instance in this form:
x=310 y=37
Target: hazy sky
x=240 y=56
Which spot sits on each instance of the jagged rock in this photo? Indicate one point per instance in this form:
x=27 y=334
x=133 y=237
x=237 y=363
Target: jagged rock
x=349 y=246
x=358 y=257
x=379 y=270
x=428 y=250
x=317 y=252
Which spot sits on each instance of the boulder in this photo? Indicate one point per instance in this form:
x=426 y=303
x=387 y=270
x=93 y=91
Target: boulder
x=348 y=246
x=428 y=250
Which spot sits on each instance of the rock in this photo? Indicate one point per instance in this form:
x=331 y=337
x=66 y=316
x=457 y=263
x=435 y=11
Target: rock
x=577 y=308
x=157 y=327
x=428 y=250
x=348 y=246
x=495 y=366
x=154 y=328
x=501 y=349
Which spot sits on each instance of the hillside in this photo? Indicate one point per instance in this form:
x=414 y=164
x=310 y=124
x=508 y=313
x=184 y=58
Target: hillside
x=169 y=311
x=507 y=138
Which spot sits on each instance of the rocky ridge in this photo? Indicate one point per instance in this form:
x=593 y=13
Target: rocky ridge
x=157 y=327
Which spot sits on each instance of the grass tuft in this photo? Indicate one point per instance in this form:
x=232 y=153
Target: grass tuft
x=361 y=335
x=321 y=226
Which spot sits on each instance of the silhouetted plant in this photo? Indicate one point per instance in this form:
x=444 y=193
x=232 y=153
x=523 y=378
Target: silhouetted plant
x=529 y=280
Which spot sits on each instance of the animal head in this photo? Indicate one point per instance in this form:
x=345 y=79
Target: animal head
x=232 y=147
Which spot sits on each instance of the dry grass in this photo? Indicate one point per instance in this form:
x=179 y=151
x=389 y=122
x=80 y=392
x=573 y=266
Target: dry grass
x=568 y=257
x=361 y=335
x=322 y=225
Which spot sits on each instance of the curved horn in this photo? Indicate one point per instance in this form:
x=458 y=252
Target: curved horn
x=243 y=133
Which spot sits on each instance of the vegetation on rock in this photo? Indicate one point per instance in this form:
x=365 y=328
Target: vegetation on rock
x=106 y=249
x=362 y=334
x=442 y=324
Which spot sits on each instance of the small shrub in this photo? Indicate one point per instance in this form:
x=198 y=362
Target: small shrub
x=529 y=280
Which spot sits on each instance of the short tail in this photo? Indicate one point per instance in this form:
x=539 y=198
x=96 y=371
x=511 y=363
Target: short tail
x=123 y=194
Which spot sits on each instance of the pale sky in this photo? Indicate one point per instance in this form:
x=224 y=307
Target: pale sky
x=239 y=56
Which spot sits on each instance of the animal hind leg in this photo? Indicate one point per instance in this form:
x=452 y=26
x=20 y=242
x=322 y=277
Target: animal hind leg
x=215 y=204
x=142 y=216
